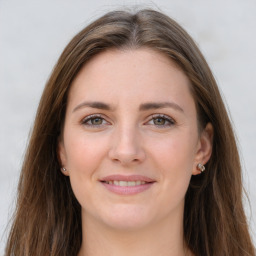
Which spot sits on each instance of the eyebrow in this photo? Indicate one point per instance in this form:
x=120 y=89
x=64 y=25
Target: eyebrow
x=96 y=104
x=143 y=106
x=158 y=105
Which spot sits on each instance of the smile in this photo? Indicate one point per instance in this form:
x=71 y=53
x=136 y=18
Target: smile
x=127 y=185
x=123 y=183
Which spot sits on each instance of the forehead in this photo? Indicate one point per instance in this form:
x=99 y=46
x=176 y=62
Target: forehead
x=123 y=75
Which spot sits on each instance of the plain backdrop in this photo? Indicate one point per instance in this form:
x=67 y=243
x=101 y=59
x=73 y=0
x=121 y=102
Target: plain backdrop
x=33 y=34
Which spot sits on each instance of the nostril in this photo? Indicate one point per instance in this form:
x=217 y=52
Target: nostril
x=126 y=152
x=126 y=160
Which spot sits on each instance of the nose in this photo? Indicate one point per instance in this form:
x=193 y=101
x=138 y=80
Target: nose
x=126 y=147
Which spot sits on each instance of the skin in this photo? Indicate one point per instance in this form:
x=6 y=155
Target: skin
x=128 y=140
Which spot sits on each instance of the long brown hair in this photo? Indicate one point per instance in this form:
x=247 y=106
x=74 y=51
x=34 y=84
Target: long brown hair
x=47 y=219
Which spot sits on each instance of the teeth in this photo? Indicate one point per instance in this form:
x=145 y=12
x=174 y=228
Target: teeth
x=123 y=183
x=116 y=182
x=131 y=183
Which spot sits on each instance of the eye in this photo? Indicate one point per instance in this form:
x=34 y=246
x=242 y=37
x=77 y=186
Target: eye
x=94 y=121
x=161 y=121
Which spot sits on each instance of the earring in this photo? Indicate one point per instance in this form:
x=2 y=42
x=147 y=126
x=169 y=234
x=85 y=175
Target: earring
x=63 y=169
x=201 y=167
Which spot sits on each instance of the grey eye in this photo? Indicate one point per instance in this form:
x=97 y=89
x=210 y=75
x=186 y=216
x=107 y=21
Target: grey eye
x=161 y=121
x=94 y=121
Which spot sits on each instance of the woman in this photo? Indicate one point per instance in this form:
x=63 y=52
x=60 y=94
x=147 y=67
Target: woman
x=132 y=151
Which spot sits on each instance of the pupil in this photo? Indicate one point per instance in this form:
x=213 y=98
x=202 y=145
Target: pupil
x=97 y=121
x=159 y=121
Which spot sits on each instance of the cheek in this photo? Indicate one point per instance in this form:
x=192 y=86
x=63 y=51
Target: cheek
x=84 y=153
x=175 y=152
x=174 y=158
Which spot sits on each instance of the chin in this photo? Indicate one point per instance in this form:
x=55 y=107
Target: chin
x=127 y=218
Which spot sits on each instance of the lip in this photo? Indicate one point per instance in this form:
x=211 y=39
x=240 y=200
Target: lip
x=127 y=178
x=127 y=190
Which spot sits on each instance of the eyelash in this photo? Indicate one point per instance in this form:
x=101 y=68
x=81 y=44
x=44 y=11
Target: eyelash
x=166 y=118
x=90 y=118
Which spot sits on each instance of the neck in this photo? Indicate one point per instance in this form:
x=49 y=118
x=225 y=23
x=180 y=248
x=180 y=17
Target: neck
x=165 y=238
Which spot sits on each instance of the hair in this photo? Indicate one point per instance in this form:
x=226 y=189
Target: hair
x=47 y=220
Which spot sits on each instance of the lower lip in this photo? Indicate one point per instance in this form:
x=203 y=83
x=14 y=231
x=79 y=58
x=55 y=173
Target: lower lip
x=127 y=190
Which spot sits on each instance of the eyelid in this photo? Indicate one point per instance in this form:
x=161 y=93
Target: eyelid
x=166 y=117
x=92 y=116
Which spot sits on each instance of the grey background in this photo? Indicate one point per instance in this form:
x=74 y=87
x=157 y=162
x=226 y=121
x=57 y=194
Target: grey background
x=34 y=33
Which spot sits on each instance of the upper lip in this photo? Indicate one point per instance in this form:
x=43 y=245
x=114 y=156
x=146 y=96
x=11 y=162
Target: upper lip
x=119 y=177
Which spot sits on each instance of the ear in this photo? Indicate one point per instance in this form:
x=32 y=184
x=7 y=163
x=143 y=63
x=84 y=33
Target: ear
x=62 y=157
x=204 y=148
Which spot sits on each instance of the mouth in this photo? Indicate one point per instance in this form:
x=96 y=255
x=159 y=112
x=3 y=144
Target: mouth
x=123 y=183
x=127 y=185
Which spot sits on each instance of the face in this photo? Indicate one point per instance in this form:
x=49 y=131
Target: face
x=130 y=141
